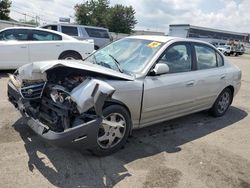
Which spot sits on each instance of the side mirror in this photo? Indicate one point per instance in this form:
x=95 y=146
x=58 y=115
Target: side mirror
x=160 y=68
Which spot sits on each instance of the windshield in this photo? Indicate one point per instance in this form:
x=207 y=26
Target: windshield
x=127 y=55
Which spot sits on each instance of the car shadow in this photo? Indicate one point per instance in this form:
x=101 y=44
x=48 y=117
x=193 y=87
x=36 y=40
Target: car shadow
x=66 y=168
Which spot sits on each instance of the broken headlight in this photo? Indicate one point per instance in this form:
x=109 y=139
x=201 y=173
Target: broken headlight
x=15 y=81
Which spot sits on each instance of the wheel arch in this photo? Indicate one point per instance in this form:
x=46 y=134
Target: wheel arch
x=67 y=52
x=232 y=90
x=116 y=102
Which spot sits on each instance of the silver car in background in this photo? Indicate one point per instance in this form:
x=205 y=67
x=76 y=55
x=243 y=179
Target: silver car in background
x=132 y=83
x=100 y=35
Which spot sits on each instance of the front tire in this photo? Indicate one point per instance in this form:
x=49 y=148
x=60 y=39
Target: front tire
x=222 y=103
x=114 y=130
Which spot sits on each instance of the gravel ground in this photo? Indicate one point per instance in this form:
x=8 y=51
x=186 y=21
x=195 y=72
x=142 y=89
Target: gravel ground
x=193 y=151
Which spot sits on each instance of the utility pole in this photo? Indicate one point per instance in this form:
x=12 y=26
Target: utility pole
x=37 y=18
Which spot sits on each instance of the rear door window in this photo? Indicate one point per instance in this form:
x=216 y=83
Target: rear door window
x=44 y=36
x=220 y=61
x=97 y=33
x=205 y=57
x=70 y=30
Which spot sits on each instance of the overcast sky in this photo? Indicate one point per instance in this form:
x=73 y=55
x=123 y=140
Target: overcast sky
x=156 y=15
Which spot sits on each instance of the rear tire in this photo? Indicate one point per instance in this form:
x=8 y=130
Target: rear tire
x=71 y=56
x=222 y=103
x=108 y=134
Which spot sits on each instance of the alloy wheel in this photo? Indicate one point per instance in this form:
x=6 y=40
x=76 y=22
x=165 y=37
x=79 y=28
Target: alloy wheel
x=224 y=102
x=111 y=131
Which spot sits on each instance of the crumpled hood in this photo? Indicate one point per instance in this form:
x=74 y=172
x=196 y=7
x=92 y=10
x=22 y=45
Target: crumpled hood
x=37 y=70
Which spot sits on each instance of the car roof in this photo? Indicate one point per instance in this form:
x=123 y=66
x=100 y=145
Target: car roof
x=76 y=25
x=65 y=37
x=166 y=39
x=159 y=38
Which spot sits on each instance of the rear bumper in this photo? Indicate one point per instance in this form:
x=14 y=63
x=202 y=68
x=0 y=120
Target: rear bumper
x=237 y=86
x=83 y=136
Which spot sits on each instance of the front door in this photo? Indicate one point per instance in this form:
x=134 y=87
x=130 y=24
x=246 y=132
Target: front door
x=14 y=50
x=170 y=95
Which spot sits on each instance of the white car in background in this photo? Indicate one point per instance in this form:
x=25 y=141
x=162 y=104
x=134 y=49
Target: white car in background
x=22 y=45
x=225 y=49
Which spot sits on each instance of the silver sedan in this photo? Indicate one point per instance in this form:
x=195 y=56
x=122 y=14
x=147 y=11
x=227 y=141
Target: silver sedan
x=132 y=83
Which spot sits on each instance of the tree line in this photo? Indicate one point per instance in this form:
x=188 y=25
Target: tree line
x=117 y=18
x=5 y=9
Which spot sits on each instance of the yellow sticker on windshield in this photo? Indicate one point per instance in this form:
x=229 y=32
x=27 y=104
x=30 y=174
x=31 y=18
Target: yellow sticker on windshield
x=154 y=44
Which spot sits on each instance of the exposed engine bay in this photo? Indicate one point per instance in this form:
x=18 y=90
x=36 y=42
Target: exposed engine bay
x=68 y=98
x=67 y=77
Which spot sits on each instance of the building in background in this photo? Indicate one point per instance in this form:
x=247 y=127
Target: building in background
x=117 y=36
x=5 y=24
x=147 y=32
x=210 y=35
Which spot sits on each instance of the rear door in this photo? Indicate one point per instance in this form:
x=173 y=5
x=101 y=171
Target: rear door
x=13 y=48
x=101 y=36
x=210 y=75
x=44 y=46
x=71 y=31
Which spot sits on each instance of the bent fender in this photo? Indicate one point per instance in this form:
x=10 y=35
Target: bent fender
x=91 y=93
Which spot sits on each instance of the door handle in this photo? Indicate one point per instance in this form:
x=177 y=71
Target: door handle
x=23 y=46
x=223 y=76
x=58 y=45
x=190 y=83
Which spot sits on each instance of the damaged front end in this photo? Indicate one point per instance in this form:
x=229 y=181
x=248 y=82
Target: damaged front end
x=63 y=105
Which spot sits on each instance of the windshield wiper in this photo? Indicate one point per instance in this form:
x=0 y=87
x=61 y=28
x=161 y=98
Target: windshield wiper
x=117 y=63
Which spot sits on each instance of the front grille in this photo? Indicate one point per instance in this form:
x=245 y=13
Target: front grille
x=33 y=91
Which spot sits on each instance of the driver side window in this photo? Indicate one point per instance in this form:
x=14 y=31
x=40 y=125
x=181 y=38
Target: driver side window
x=178 y=58
x=8 y=35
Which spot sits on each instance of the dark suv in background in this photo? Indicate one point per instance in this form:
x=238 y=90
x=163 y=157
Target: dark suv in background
x=100 y=35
